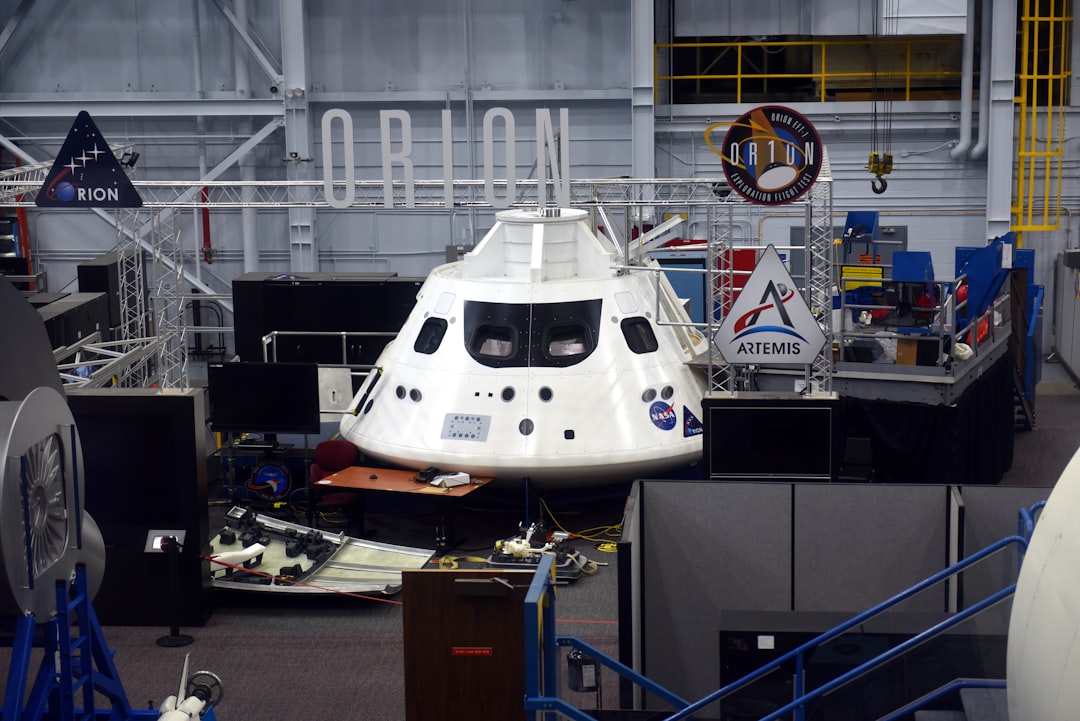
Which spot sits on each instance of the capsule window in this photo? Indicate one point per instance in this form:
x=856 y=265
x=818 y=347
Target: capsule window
x=567 y=340
x=639 y=335
x=493 y=341
x=430 y=337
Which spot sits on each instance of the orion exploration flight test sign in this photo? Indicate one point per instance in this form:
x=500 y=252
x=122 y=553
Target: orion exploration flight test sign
x=771 y=155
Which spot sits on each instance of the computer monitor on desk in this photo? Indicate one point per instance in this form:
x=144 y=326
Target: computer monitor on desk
x=264 y=397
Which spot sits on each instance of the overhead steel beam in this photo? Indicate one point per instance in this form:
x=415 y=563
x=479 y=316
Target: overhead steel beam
x=19 y=152
x=269 y=67
x=120 y=106
x=230 y=160
x=642 y=118
x=13 y=23
x=303 y=253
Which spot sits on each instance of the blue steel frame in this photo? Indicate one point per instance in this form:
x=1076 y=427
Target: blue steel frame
x=86 y=666
x=541 y=675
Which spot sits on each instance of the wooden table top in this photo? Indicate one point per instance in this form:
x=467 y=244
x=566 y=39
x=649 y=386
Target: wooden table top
x=366 y=478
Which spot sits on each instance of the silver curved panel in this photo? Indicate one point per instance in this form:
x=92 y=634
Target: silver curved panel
x=42 y=525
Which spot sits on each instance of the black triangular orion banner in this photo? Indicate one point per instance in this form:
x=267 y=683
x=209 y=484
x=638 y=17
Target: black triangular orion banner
x=86 y=174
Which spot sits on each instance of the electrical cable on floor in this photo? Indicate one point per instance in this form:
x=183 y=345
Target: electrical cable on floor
x=451 y=562
x=282 y=579
x=596 y=534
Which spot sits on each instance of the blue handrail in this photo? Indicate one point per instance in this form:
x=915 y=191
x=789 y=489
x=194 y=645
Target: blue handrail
x=540 y=614
x=940 y=692
x=1029 y=345
x=851 y=623
x=799 y=704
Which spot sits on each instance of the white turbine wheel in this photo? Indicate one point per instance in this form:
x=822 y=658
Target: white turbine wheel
x=43 y=529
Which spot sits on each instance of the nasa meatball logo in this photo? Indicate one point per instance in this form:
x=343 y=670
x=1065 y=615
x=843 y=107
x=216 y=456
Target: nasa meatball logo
x=771 y=155
x=86 y=174
x=663 y=416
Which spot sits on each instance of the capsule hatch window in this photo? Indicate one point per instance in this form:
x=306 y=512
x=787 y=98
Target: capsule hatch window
x=639 y=335
x=430 y=336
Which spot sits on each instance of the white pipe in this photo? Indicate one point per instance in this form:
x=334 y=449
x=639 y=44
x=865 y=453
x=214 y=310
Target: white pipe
x=984 y=84
x=237 y=557
x=967 y=73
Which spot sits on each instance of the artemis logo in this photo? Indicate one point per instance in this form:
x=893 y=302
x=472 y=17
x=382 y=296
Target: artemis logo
x=86 y=174
x=777 y=294
x=769 y=322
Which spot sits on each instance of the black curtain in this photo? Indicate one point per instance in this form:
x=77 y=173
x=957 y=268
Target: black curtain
x=968 y=442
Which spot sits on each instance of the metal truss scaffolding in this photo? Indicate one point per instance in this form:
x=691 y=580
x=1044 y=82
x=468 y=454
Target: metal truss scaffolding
x=168 y=271
x=135 y=323
x=705 y=201
x=819 y=276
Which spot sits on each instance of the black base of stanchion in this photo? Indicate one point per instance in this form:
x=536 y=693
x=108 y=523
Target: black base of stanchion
x=175 y=641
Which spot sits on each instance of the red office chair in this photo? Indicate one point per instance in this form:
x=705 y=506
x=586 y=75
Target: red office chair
x=330 y=457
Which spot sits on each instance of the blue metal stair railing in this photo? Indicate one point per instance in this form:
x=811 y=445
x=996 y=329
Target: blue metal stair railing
x=941 y=692
x=540 y=616
x=1030 y=357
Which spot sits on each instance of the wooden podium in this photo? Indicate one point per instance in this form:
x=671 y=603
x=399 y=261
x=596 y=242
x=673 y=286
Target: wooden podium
x=464 y=639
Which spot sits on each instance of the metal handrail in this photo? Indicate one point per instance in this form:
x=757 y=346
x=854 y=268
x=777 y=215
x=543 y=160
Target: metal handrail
x=1029 y=345
x=939 y=692
x=540 y=614
x=797 y=654
x=269 y=341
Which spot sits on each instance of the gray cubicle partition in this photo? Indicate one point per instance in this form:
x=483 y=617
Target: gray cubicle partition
x=990 y=513
x=857 y=545
x=705 y=555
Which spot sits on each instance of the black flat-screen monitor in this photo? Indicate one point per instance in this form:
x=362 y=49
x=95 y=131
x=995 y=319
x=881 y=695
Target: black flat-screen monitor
x=771 y=438
x=264 y=397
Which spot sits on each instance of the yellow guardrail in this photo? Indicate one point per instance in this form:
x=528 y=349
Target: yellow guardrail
x=1043 y=68
x=902 y=65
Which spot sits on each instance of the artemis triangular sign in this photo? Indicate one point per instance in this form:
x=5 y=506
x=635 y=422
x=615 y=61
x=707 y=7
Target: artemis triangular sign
x=769 y=322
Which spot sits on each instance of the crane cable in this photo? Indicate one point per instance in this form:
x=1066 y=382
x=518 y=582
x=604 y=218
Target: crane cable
x=881 y=159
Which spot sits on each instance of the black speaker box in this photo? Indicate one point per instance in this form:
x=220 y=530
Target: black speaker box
x=144 y=455
x=358 y=302
x=69 y=317
x=102 y=275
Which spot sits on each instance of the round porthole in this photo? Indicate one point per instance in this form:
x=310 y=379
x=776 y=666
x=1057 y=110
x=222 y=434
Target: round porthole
x=546 y=394
x=401 y=392
x=416 y=395
x=508 y=394
x=667 y=393
x=649 y=395
x=526 y=426
x=367 y=407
